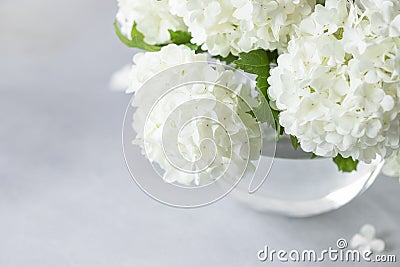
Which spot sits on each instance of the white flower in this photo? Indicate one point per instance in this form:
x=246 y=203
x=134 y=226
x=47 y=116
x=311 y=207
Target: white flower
x=234 y=26
x=152 y=17
x=120 y=79
x=366 y=240
x=392 y=165
x=338 y=86
x=196 y=132
x=146 y=65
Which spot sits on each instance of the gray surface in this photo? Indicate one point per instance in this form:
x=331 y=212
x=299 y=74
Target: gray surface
x=66 y=198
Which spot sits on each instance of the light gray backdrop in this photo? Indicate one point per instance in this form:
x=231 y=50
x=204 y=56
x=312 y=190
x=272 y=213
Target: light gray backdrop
x=66 y=198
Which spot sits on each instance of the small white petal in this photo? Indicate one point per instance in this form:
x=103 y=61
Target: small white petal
x=394 y=29
x=358 y=240
x=387 y=103
x=368 y=231
x=377 y=245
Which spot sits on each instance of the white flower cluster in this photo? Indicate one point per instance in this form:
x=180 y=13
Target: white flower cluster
x=218 y=26
x=338 y=86
x=366 y=240
x=392 y=165
x=152 y=17
x=234 y=26
x=175 y=131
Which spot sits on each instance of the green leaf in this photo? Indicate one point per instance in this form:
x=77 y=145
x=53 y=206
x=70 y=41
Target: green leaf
x=262 y=114
x=258 y=62
x=279 y=129
x=183 y=38
x=345 y=164
x=262 y=85
x=180 y=37
x=313 y=156
x=228 y=59
x=295 y=142
x=137 y=39
x=255 y=62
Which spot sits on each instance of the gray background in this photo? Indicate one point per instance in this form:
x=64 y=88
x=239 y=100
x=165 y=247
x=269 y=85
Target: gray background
x=66 y=198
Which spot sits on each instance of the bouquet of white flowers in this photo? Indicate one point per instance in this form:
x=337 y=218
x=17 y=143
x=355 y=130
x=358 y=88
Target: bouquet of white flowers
x=329 y=71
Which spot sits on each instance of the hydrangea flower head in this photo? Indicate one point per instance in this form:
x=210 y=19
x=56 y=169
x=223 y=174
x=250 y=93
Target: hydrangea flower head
x=233 y=26
x=205 y=127
x=338 y=86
